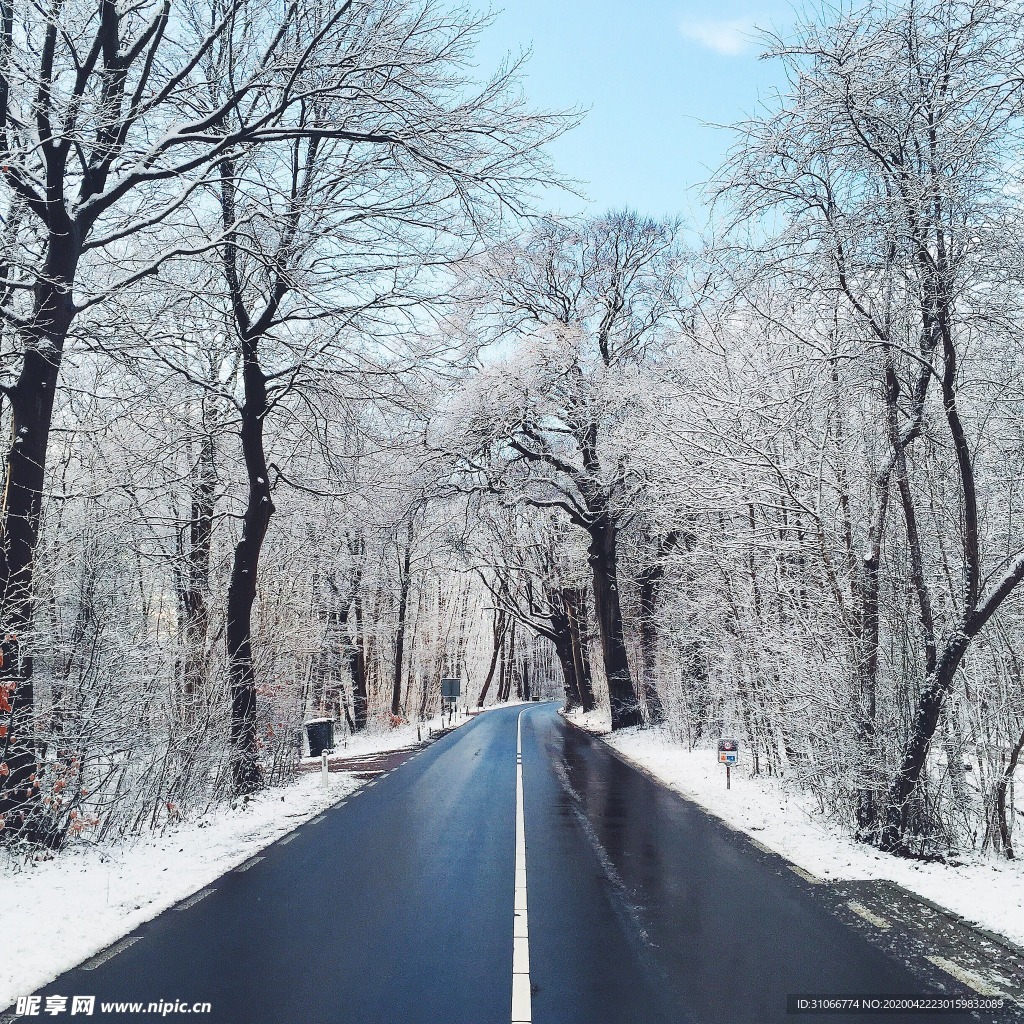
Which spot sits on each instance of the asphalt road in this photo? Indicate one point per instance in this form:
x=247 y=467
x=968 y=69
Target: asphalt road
x=397 y=907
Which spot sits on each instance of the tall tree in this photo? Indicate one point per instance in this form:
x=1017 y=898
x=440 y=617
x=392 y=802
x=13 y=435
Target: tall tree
x=885 y=162
x=105 y=138
x=592 y=296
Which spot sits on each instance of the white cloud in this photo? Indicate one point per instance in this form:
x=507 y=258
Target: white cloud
x=726 y=36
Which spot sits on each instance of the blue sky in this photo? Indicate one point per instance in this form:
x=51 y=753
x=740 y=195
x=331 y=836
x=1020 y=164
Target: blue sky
x=650 y=73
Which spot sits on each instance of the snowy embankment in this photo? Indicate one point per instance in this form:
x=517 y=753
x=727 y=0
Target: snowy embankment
x=372 y=742
x=986 y=891
x=59 y=911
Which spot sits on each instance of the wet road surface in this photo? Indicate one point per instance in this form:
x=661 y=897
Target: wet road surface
x=396 y=907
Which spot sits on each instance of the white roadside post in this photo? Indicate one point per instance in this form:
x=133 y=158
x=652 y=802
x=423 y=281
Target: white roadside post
x=323 y=768
x=728 y=754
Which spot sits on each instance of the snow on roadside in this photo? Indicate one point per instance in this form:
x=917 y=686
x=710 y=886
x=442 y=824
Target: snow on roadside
x=376 y=741
x=986 y=891
x=597 y=721
x=57 y=913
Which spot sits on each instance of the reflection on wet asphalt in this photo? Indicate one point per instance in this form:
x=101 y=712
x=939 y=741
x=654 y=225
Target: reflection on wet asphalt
x=397 y=908
x=720 y=929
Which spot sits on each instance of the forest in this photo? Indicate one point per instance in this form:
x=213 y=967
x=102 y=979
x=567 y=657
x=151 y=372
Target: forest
x=311 y=399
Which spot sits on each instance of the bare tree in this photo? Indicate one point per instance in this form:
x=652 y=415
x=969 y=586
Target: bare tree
x=883 y=161
x=594 y=296
x=128 y=121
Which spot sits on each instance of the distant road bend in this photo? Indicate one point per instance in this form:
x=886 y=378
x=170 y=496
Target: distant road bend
x=515 y=870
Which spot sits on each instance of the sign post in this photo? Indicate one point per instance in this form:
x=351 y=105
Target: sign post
x=451 y=690
x=728 y=754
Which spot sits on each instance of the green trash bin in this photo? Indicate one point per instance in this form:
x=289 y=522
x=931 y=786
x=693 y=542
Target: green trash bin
x=320 y=733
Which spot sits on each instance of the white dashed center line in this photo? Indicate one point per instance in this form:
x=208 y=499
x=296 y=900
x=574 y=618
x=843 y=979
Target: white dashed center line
x=522 y=1003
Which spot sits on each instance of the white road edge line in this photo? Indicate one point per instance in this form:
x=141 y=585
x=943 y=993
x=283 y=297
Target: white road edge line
x=861 y=911
x=522 y=1002
x=107 y=954
x=193 y=900
x=969 y=978
x=805 y=875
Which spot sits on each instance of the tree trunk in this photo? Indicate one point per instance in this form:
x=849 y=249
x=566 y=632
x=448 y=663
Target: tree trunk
x=561 y=639
x=650 y=577
x=867 y=636
x=563 y=653
x=977 y=609
x=649 y=583
x=499 y=634
x=1005 y=835
x=246 y=771
x=507 y=665
x=31 y=400
x=357 y=667
x=403 y=607
x=925 y=722
x=196 y=590
x=575 y=603
x=603 y=558
x=502 y=668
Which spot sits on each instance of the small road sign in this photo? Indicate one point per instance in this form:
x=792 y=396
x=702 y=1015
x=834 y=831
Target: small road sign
x=728 y=754
x=451 y=688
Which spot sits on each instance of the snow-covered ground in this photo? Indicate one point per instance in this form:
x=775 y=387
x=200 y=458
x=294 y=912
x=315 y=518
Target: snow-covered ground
x=60 y=911
x=597 y=721
x=986 y=891
x=375 y=741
